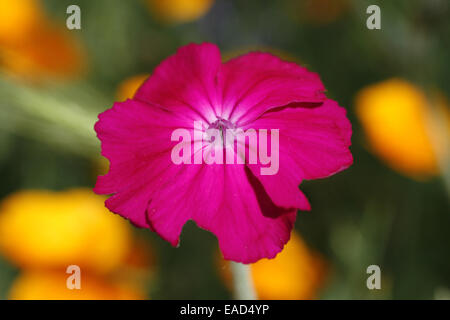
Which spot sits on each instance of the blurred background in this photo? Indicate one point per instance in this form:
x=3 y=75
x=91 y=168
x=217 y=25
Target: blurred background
x=390 y=209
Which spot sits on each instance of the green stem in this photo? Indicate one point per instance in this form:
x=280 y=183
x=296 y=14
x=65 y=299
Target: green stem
x=242 y=281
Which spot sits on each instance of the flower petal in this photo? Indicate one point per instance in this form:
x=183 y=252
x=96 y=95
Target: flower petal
x=196 y=190
x=186 y=82
x=229 y=202
x=253 y=83
x=136 y=139
x=313 y=143
x=248 y=225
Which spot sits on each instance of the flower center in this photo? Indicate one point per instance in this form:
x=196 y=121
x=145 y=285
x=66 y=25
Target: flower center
x=222 y=125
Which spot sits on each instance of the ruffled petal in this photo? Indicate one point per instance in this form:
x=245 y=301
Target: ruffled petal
x=136 y=139
x=248 y=225
x=256 y=82
x=314 y=143
x=195 y=191
x=229 y=202
x=186 y=83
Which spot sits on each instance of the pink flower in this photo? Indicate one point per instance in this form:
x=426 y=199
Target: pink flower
x=251 y=214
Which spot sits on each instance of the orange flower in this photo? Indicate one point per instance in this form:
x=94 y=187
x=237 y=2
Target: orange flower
x=52 y=285
x=18 y=18
x=396 y=117
x=179 y=11
x=32 y=47
x=297 y=273
x=49 y=51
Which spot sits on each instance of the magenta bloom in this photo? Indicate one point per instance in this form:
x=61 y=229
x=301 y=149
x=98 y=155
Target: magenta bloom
x=251 y=214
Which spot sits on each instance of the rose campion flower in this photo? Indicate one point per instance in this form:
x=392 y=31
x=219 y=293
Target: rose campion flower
x=251 y=214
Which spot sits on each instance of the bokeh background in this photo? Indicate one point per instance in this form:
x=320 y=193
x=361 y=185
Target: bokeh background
x=391 y=208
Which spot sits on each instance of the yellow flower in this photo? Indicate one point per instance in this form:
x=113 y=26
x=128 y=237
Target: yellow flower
x=395 y=116
x=179 y=11
x=129 y=86
x=297 y=273
x=51 y=285
x=17 y=19
x=43 y=229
